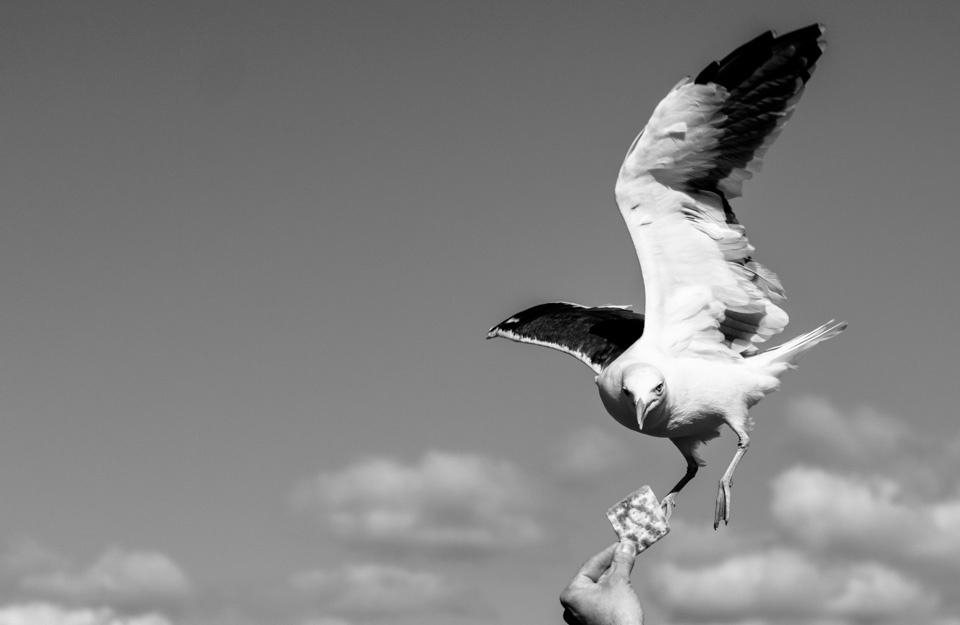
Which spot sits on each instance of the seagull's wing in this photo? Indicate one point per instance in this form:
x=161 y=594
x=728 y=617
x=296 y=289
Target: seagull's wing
x=704 y=292
x=596 y=335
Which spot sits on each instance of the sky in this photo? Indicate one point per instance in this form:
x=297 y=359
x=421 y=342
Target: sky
x=250 y=253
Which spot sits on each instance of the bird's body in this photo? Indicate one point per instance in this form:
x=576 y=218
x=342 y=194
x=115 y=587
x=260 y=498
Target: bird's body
x=690 y=364
x=701 y=393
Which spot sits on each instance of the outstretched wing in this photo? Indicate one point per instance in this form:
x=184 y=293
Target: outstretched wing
x=704 y=292
x=596 y=336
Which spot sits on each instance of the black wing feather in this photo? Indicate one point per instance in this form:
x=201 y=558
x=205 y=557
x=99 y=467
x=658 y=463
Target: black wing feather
x=764 y=78
x=594 y=335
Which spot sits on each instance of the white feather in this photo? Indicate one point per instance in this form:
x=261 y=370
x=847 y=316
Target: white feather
x=693 y=261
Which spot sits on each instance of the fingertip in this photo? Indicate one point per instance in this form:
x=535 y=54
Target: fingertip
x=628 y=548
x=624 y=558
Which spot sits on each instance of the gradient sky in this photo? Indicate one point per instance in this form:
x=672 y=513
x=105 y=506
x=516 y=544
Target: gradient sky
x=250 y=252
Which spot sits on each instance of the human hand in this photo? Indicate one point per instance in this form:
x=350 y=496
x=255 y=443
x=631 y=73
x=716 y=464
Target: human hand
x=600 y=593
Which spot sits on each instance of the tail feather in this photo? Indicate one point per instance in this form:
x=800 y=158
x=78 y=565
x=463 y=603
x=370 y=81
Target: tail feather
x=785 y=356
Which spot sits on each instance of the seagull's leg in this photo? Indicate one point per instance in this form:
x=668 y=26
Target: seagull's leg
x=723 y=492
x=687 y=446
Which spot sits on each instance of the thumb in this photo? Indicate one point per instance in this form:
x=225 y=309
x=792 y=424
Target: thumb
x=623 y=559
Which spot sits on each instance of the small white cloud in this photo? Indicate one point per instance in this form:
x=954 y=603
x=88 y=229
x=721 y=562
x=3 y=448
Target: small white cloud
x=876 y=592
x=868 y=439
x=49 y=614
x=819 y=506
x=588 y=454
x=446 y=501
x=737 y=587
x=118 y=577
x=823 y=508
x=858 y=434
x=373 y=589
x=786 y=584
x=130 y=581
x=699 y=542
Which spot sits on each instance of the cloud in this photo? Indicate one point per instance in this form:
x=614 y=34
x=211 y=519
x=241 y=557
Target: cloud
x=869 y=514
x=49 y=614
x=858 y=434
x=865 y=528
x=787 y=584
x=458 y=501
x=377 y=589
x=587 y=454
x=868 y=439
x=131 y=582
x=690 y=542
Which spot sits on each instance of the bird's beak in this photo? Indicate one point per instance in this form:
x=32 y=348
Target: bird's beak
x=641 y=407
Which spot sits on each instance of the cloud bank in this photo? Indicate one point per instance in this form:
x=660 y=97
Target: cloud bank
x=135 y=580
x=445 y=501
x=784 y=582
x=866 y=530
x=377 y=589
x=121 y=587
x=49 y=614
x=867 y=514
x=850 y=539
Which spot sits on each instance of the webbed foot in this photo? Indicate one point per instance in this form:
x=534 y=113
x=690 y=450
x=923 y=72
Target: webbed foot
x=722 y=510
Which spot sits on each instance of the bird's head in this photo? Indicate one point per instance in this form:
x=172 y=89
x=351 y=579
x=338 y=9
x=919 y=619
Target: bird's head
x=643 y=386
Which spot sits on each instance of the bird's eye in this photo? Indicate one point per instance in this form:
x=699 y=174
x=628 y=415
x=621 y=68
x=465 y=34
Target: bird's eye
x=659 y=388
x=626 y=391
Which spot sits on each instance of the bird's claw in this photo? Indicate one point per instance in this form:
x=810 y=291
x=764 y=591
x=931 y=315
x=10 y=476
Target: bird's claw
x=722 y=510
x=668 y=504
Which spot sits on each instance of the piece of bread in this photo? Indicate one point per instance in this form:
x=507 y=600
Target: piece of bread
x=640 y=518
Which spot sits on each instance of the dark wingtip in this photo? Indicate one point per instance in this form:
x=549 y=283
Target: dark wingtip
x=737 y=66
x=740 y=59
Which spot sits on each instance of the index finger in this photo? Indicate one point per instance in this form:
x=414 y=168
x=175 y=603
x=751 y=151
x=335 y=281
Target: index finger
x=593 y=568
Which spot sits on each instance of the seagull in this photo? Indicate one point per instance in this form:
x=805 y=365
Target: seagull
x=691 y=363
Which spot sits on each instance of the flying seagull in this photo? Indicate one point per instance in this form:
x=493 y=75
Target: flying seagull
x=690 y=364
